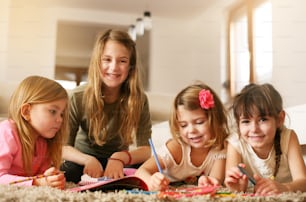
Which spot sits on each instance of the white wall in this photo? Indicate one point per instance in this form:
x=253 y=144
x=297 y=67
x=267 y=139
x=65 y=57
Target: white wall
x=188 y=51
x=182 y=50
x=289 y=46
x=4 y=22
x=32 y=35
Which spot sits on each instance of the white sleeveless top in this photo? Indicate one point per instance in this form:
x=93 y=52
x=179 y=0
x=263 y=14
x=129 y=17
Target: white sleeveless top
x=264 y=167
x=179 y=172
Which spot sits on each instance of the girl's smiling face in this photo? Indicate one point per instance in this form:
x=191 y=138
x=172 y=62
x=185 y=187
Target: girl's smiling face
x=115 y=64
x=194 y=128
x=258 y=132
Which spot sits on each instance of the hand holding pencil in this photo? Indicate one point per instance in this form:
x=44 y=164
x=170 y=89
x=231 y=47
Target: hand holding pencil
x=52 y=177
x=158 y=180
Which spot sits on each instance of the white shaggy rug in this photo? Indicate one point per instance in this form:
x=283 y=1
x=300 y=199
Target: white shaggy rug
x=10 y=193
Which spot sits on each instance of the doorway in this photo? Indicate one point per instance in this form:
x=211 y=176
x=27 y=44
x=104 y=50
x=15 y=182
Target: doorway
x=74 y=44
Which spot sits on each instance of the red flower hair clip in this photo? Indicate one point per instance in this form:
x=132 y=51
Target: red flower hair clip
x=206 y=99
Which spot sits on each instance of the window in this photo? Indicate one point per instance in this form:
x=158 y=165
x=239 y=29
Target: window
x=250 y=44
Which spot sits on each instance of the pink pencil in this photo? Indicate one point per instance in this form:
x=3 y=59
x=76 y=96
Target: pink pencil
x=32 y=178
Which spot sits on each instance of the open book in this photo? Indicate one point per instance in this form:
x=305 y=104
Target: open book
x=128 y=182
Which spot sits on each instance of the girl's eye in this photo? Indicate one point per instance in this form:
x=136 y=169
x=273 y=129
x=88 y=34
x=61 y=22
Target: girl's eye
x=106 y=59
x=244 y=121
x=200 y=122
x=124 y=61
x=52 y=111
x=263 y=119
x=183 y=125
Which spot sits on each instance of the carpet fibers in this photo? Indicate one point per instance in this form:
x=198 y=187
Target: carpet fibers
x=31 y=194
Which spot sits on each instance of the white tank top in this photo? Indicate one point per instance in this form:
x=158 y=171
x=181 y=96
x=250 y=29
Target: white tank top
x=179 y=172
x=264 y=167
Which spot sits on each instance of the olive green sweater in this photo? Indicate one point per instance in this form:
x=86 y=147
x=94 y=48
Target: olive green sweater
x=79 y=127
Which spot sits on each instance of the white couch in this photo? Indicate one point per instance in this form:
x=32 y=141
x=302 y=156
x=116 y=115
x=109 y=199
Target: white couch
x=295 y=119
x=159 y=103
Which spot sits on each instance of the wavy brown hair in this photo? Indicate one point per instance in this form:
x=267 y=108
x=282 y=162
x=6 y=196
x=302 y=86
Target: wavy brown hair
x=216 y=116
x=38 y=90
x=262 y=100
x=131 y=92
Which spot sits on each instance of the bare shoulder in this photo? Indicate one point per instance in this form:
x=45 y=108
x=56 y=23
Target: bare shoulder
x=293 y=139
x=175 y=149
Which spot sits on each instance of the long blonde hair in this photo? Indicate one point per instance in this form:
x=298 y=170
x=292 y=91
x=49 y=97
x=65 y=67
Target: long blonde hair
x=37 y=90
x=216 y=116
x=131 y=92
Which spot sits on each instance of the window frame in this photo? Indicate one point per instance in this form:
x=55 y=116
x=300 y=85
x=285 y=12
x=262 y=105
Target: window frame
x=250 y=6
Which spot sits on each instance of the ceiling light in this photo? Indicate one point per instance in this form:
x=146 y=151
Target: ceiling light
x=139 y=27
x=147 y=20
x=132 y=32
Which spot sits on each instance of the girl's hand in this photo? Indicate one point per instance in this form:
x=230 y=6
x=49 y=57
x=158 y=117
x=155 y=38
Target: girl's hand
x=55 y=179
x=93 y=167
x=114 y=169
x=235 y=180
x=158 y=182
x=205 y=181
x=266 y=186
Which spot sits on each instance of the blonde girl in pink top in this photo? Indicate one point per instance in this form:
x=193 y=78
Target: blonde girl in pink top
x=32 y=136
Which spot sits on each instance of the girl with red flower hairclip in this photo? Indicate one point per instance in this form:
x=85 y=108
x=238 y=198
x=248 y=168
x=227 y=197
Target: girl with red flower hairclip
x=196 y=152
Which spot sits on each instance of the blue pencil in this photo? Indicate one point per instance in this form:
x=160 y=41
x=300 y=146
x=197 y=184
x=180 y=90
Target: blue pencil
x=133 y=191
x=155 y=156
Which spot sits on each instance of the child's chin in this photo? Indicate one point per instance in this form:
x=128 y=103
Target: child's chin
x=49 y=136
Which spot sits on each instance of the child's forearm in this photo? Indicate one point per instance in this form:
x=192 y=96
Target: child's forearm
x=72 y=154
x=296 y=185
x=140 y=154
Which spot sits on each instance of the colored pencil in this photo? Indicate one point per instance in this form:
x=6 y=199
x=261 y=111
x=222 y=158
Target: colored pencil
x=133 y=191
x=155 y=156
x=251 y=179
x=33 y=177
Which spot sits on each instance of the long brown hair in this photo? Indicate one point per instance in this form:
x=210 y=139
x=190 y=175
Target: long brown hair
x=217 y=116
x=38 y=90
x=131 y=92
x=263 y=100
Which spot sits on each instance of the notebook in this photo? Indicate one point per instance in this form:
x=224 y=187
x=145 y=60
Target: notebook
x=128 y=182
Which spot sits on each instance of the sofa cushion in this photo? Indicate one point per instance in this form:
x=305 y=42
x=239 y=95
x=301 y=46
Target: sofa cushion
x=160 y=133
